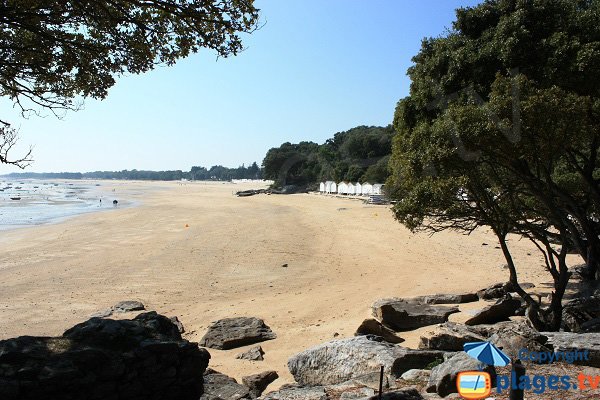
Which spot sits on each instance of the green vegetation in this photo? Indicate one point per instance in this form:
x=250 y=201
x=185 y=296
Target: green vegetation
x=359 y=154
x=501 y=129
x=215 y=173
x=54 y=52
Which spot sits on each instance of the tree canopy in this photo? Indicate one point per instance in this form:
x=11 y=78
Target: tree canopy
x=501 y=129
x=53 y=53
x=358 y=154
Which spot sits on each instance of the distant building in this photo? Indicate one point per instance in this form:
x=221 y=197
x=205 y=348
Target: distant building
x=378 y=188
x=351 y=188
x=358 y=188
x=342 y=188
x=367 y=189
x=322 y=187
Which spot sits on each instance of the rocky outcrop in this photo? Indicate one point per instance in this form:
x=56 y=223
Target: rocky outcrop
x=402 y=315
x=255 y=353
x=450 y=337
x=583 y=343
x=230 y=333
x=373 y=327
x=419 y=375
x=121 y=307
x=341 y=360
x=297 y=393
x=142 y=358
x=257 y=383
x=497 y=312
x=404 y=394
x=447 y=298
x=499 y=290
x=582 y=314
x=218 y=386
x=443 y=377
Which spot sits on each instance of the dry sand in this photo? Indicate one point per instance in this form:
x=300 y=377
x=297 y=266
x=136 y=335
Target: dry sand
x=342 y=255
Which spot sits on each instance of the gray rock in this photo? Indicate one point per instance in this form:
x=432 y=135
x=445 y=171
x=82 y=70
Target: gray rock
x=443 y=377
x=230 y=333
x=178 y=324
x=582 y=314
x=342 y=360
x=450 y=337
x=580 y=342
x=420 y=375
x=499 y=290
x=218 y=386
x=142 y=358
x=512 y=336
x=402 y=315
x=497 y=312
x=403 y=394
x=257 y=383
x=128 y=305
x=297 y=393
x=448 y=298
x=357 y=393
x=373 y=327
x=253 y=354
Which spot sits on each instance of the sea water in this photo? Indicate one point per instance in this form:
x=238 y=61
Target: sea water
x=35 y=202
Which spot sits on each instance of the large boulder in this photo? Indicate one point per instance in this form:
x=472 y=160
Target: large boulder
x=450 y=337
x=230 y=333
x=218 y=386
x=512 y=336
x=402 y=315
x=582 y=314
x=257 y=383
x=341 y=360
x=447 y=298
x=373 y=327
x=501 y=310
x=443 y=377
x=142 y=358
x=585 y=345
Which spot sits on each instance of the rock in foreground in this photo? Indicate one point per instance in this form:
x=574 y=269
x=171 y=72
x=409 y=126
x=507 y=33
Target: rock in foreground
x=497 y=312
x=230 y=333
x=143 y=358
x=443 y=377
x=342 y=360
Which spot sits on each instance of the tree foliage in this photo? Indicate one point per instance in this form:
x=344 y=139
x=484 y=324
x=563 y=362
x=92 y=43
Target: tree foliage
x=55 y=52
x=358 y=154
x=501 y=129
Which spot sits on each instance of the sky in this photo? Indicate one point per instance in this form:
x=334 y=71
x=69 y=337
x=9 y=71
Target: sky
x=316 y=67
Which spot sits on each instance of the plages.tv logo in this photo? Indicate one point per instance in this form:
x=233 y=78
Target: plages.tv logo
x=476 y=385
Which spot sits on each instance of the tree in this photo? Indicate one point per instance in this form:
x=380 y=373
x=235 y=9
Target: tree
x=55 y=53
x=501 y=129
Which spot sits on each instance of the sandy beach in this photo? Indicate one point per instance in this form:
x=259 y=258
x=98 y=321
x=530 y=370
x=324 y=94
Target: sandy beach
x=342 y=255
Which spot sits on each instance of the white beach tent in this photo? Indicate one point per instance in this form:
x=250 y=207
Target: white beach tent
x=358 y=188
x=378 y=188
x=367 y=188
x=330 y=187
x=351 y=188
x=342 y=188
x=333 y=187
x=322 y=187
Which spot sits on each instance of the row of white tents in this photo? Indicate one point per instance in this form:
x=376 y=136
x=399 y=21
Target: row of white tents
x=366 y=188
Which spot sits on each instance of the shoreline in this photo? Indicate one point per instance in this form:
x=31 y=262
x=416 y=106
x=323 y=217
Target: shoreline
x=342 y=256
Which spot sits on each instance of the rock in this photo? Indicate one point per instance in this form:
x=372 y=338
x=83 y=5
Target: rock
x=253 y=354
x=404 y=394
x=357 y=393
x=580 y=342
x=218 y=386
x=401 y=315
x=230 y=333
x=500 y=290
x=420 y=375
x=342 y=360
x=178 y=324
x=499 y=311
x=373 y=327
x=257 y=383
x=128 y=305
x=512 y=336
x=142 y=358
x=297 y=393
x=443 y=377
x=450 y=337
x=578 y=313
x=448 y=298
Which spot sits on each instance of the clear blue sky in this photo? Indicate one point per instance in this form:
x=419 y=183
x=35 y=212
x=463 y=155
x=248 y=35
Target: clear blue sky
x=315 y=68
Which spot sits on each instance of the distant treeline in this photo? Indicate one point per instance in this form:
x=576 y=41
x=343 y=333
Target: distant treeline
x=360 y=154
x=217 y=173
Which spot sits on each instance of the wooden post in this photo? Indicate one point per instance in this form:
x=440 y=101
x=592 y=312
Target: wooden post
x=381 y=383
x=518 y=370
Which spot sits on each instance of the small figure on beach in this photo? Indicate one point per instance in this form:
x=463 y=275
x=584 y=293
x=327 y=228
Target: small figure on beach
x=115 y=202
